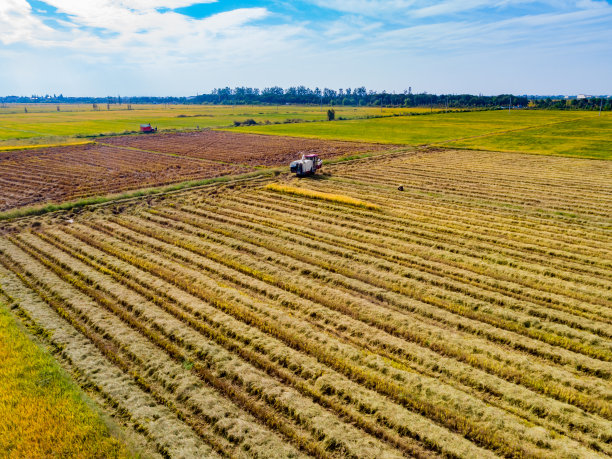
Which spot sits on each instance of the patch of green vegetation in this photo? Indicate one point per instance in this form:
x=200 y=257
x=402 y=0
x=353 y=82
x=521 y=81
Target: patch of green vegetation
x=567 y=133
x=41 y=124
x=43 y=413
x=586 y=138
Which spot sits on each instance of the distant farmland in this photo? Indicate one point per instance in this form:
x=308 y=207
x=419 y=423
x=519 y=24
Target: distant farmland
x=469 y=315
x=42 y=124
x=548 y=132
x=246 y=149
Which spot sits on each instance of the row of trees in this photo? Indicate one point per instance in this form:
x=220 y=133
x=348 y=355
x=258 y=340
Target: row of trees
x=592 y=103
x=326 y=96
x=60 y=99
x=349 y=96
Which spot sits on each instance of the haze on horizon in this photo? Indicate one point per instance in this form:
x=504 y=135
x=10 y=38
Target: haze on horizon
x=184 y=47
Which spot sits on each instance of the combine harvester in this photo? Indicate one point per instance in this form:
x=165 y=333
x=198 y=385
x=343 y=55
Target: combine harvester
x=308 y=165
x=147 y=128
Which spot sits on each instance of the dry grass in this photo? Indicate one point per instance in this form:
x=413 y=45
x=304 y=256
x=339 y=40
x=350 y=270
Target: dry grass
x=339 y=198
x=466 y=316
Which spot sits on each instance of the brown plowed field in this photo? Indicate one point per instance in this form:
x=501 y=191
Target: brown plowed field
x=251 y=149
x=55 y=174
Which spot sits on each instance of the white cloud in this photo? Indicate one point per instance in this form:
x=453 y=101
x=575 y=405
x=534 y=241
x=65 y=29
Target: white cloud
x=145 y=44
x=17 y=24
x=106 y=30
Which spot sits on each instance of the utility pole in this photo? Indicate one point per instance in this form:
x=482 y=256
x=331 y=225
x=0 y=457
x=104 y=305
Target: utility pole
x=600 y=105
x=510 y=104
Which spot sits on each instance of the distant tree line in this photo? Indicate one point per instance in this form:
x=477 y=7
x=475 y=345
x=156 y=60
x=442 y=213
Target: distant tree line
x=331 y=97
x=356 y=97
x=119 y=100
x=592 y=103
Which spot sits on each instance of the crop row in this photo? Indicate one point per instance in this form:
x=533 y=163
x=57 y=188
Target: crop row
x=287 y=336
x=366 y=224
x=309 y=259
x=114 y=231
x=544 y=314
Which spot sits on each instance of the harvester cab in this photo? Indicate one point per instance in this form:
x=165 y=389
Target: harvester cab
x=308 y=165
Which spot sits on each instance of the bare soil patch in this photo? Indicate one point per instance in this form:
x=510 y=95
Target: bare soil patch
x=251 y=149
x=29 y=177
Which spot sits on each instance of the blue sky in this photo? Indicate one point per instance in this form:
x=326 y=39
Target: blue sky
x=182 y=47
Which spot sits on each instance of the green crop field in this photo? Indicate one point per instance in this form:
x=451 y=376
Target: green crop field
x=574 y=133
x=588 y=138
x=42 y=125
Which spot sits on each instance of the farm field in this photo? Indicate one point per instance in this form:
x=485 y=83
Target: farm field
x=241 y=148
x=578 y=133
x=43 y=125
x=469 y=315
x=587 y=138
x=42 y=412
x=55 y=174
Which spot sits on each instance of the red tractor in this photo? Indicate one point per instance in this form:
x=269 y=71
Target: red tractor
x=308 y=165
x=146 y=128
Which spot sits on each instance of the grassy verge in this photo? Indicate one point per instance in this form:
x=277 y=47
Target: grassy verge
x=43 y=413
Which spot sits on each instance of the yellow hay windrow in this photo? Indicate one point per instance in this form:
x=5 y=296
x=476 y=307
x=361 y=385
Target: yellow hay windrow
x=32 y=147
x=340 y=198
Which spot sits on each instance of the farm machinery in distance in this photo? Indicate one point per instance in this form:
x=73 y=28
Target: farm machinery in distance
x=307 y=165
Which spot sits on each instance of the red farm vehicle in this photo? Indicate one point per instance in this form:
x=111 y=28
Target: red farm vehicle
x=147 y=129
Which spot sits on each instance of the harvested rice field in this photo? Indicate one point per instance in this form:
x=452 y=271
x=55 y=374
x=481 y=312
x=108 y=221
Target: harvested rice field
x=467 y=315
x=249 y=149
x=56 y=174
